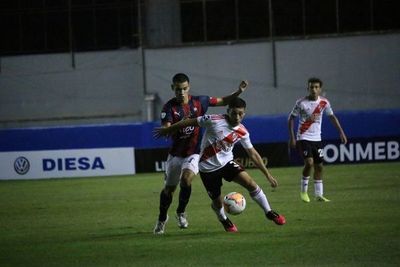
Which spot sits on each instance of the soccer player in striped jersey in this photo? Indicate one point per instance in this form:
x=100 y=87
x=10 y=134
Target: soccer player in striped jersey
x=222 y=132
x=183 y=155
x=310 y=109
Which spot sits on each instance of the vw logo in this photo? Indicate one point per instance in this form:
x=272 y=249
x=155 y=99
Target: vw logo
x=21 y=165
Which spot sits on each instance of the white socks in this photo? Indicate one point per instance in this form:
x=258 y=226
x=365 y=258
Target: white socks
x=220 y=213
x=258 y=196
x=304 y=184
x=318 y=186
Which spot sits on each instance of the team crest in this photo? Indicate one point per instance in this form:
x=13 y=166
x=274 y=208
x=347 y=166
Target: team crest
x=207 y=117
x=234 y=136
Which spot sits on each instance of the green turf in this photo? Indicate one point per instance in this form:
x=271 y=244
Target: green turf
x=109 y=222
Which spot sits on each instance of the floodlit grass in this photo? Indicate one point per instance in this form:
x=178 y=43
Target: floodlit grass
x=108 y=221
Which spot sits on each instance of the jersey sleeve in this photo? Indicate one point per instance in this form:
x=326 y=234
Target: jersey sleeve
x=207 y=101
x=166 y=114
x=246 y=142
x=328 y=109
x=213 y=101
x=296 y=109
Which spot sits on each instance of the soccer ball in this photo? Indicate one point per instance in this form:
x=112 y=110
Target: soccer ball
x=234 y=203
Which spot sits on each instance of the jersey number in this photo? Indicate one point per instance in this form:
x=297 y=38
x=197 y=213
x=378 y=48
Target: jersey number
x=234 y=164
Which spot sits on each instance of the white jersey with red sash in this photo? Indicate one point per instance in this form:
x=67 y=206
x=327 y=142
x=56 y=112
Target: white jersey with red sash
x=310 y=117
x=218 y=141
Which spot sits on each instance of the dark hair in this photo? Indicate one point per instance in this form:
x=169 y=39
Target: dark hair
x=237 y=102
x=180 y=78
x=315 y=80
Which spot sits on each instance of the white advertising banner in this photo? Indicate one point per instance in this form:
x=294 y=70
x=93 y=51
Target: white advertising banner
x=67 y=163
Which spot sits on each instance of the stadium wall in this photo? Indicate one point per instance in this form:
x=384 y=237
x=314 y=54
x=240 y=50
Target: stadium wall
x=374 y=135
x=360 y=73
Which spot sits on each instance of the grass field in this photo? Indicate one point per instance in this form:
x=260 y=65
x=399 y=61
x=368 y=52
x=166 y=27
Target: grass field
x=108 y=221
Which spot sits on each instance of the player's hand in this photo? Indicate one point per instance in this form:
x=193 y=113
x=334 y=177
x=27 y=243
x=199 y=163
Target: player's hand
x=243 y=85
x=160 y=131
x=343 y=138
x=292 y=142
x=272 y=181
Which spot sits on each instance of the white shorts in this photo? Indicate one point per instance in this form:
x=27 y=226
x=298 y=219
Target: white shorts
x=175 y=165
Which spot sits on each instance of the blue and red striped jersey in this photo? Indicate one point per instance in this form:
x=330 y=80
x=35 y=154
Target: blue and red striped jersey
x=187 y=140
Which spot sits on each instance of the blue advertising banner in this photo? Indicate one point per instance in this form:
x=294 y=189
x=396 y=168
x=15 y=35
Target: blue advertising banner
x=373 y=136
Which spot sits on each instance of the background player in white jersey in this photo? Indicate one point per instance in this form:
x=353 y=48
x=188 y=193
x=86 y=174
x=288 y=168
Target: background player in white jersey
x=310 y=109
x=217 y=163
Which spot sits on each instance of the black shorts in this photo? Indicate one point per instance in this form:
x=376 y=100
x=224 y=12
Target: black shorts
x=311 y=149
x=212 y=181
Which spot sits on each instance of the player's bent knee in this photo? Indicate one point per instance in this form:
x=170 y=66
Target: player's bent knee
x=246 y=181
x=186 y=181
x=309 y=162
x=169 y=190
x=187 y=176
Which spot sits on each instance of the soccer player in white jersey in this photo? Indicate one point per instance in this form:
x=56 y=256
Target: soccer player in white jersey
x=217 y=163
x=310 y=109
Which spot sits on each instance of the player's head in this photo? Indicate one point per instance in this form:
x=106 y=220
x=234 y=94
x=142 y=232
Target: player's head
x=180 y=78
x=314 y=87
x=180 y=85
x=236 y=111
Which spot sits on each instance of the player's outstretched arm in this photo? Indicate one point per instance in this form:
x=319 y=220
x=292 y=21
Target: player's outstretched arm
x=167 y=131
x=256 y=158
x=223 y=101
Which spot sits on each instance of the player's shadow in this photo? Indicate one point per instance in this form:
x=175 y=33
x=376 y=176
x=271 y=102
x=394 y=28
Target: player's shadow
x=118 y=233
x=130 y=232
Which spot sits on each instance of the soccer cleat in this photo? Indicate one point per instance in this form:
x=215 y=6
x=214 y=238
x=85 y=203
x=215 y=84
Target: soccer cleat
x=159 y=229
x=182 y=220
x=321 y=199
x=276 y=218
x=229 y=226
x=304 y=197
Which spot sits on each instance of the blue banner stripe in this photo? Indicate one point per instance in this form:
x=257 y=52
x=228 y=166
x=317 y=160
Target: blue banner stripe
x=263 y=129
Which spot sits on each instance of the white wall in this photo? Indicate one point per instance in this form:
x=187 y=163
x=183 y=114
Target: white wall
x=360 y=72
x=39 y=87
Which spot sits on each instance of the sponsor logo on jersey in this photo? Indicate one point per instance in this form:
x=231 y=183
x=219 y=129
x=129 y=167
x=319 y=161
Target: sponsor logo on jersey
x=188 y=130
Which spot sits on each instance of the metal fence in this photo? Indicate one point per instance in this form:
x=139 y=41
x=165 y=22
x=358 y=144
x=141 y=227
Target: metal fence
x=47 y=26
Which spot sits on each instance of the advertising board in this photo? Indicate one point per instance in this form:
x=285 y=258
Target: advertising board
x=67 y=163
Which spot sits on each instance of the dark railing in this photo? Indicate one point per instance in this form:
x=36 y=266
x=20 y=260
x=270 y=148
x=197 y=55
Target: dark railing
x=49 y=26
